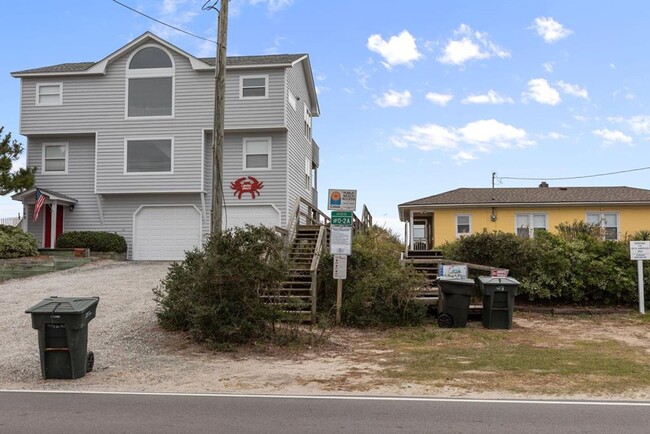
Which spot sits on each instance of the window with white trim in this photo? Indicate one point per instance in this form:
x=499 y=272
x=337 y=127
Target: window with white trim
x=293 y=101
x=253 y=86
x=463 y=225
x=307 y=123
x=607 y=221
x=150 y=84
x=257 y=153
x=526 y=225
x=55 y=158
x=308 y=174
x=149 y=156
x=49 y=93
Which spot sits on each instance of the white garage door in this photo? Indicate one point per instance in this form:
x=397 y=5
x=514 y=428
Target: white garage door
x=165 y=232
x=238 y=216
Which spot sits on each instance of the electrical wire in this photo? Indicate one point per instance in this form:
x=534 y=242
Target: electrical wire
x=165 y=24
x=573 y=177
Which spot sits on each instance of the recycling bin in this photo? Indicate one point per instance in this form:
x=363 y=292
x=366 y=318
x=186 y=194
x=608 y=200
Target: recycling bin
x=453 y=305
x=62 y=324
x=498 y=300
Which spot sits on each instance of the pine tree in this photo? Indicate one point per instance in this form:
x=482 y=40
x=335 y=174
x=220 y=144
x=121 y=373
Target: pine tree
x=20 y=179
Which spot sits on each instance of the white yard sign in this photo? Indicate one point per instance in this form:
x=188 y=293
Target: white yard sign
x=640 y=251
x=340 y=240
x=340 y=267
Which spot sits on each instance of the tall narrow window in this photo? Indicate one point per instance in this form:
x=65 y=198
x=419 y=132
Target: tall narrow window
x=463 y=225
x=308 y=174
x=257 y=153
x=150 y=83
x=253 y=86
x=49 y=93
x=307 y=123
x=55 y=158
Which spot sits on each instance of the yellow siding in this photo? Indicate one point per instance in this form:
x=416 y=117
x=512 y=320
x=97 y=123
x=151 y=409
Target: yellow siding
x=631 y=219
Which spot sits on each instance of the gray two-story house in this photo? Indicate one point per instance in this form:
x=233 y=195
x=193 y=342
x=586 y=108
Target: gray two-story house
x=125 y=144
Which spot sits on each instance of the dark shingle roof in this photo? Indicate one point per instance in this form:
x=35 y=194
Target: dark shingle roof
x=540 y=195
x=273 y=59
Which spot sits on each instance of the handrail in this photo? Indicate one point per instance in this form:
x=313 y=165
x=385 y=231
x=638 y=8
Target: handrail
x=313 y=216
x=313 y=270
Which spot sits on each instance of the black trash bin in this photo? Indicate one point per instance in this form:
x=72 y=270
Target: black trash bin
x=453 y=305
x=498 y=301
x=62 y=324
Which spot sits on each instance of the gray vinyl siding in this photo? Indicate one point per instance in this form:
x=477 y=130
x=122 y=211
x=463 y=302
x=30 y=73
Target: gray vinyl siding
x=298 y=146
x=98 y=104
x=77 y=183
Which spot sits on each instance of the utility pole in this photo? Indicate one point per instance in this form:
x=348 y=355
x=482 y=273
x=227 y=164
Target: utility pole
x=218 y=126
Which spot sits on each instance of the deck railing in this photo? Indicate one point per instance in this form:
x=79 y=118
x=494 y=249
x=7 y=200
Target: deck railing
x=10 y=221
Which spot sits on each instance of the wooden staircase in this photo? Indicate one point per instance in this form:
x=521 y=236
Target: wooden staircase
x=297 y=297
x=426 y=262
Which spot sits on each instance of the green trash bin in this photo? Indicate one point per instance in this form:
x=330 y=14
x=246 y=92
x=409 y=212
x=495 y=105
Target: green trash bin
x=498 y=301
x=62 y=324
x=453 y=305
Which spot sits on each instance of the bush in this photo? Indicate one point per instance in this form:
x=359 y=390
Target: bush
x=95 y=241
x=15 y=243
x=214 y=293
x=378 y=290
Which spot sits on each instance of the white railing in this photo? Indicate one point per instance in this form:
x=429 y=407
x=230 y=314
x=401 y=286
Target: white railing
x=10 y=221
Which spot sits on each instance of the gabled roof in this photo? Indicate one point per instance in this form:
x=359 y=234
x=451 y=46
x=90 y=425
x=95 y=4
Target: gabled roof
x=540 y=196
x=199 y=64
x=29 y=195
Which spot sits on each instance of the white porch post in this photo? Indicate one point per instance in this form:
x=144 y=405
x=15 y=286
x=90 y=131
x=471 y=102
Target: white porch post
x=53 y=224
x=411 y=229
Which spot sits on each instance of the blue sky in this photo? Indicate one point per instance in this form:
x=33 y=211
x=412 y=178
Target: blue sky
x=417 y=97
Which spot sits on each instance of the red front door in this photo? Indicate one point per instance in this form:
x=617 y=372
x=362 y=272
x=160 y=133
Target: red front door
x=47 y=244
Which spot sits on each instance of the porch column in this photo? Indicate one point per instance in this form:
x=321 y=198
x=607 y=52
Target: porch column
x=53 y=224
x=411 y=229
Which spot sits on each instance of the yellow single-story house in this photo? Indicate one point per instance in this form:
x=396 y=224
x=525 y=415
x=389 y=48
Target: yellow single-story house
x=433 y=220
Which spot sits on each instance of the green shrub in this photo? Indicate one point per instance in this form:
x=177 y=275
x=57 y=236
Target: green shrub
x=15 y=243
x=95 y=241
x=378 y=290
x=214 y=293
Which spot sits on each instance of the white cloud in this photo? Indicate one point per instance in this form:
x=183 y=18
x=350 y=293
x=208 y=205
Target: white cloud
x=273 y=5
x=573 y=89
x=398 y=50
x=490 y=98
x=440 y=99
x=488 y=132
x=480 y=136
x=539 y=90
x=393 y=98
x=640 y=124
x=550 y=30
x=556 y=136
x=549 y=66
x=470 y=45
x=612 y=136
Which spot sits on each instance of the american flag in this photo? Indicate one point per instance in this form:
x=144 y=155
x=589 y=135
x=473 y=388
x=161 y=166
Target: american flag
x=40 y=200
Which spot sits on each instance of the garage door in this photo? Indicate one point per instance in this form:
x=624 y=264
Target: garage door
x=165 y=232
x=238 y=216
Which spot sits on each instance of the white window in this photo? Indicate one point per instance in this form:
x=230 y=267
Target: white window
x=463 y=225
x=526 y=225
x=149 y=156
x=253 y=86
x=257 y=153
x=150 y=84
x=55 y=158
x=307 y=123
x=308 y=174
x=293 y=101
x=608 y=221
x=49 y=93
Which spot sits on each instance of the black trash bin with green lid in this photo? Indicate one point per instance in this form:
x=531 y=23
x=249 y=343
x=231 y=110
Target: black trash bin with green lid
x=453 y=304
x=498 y=300
x=62 y=324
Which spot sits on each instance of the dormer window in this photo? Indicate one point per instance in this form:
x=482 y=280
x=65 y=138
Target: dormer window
x=150 y=84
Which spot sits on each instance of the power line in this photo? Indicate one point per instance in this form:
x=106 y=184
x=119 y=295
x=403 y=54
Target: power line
x=574 y=177
x=165 y=24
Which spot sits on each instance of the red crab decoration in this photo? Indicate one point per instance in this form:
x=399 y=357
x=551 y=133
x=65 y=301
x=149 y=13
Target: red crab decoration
x=246 y=185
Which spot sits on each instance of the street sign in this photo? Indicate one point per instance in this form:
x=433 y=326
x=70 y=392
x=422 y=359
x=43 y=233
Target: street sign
x=341 y=240
x=341 y=200
x=340 y=267
x=341 y=218
x=639 y=250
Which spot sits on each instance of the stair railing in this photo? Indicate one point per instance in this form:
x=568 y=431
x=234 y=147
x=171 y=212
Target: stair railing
x=313 y=270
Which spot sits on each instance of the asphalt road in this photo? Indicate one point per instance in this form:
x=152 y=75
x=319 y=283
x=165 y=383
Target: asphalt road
x=74 y=412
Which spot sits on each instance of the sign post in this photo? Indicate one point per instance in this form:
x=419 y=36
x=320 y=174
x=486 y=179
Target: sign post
x=640 y=251
x=342 y=203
